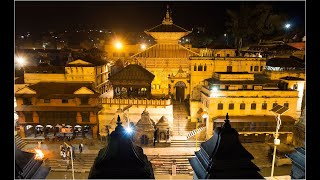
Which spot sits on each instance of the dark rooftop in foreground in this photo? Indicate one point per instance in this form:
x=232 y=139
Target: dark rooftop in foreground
x=292 y=78
x=286 y=62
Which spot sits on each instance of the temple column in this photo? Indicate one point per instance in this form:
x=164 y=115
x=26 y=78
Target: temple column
x=22 y=131
x=95 y=132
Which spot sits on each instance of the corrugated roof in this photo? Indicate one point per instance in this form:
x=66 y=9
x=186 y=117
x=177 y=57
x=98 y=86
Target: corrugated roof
x=45 y=89
x=133 y=72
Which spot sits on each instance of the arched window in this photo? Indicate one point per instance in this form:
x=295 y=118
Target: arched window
x=195 y=67
x=200 y=67
x=220 y=106
x=205 y=67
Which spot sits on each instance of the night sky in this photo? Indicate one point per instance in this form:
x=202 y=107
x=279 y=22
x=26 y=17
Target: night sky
x=136 y=16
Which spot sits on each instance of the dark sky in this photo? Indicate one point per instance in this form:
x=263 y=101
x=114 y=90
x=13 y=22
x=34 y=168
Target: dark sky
x=135 y=16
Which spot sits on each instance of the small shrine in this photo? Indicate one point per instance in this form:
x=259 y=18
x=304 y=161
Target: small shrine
x=133 y=81
x=224 y=157
x=121 y=159
x=163 y=130
x=145 y=128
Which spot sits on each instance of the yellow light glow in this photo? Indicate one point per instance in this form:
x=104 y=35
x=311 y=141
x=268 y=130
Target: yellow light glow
x=39 y=154
x=143 y=46
x=21 y=61
x=119 y=45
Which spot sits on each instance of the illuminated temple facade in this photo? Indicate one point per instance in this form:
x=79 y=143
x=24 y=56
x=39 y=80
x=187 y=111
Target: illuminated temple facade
x=212 y=80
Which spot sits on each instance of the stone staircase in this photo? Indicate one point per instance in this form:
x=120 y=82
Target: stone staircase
x=181 y=124
x=185 y=143
x=196 y=131
x=163 y=164
x=82 y=163
x=19 y=142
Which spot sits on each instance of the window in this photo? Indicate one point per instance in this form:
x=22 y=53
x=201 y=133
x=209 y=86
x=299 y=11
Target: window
x=256 y=68
x=228 y=55
x=85 y=116
x=231 y=106
x=253 y=106
x=244 y=86
x=28 y=116
x=274 y=105
x=286 y=105
x=65 y=100
x=251 y=68
x=242 y=106
x=264 y=106
x=295 y=86
x=195 y=68
x=229 y=68
x=27 y=101
x=200 y=67
x=85 y=100
x=220 y=106
x=261 y=68
x=218 y=55
x=205 y=68
x=46 y=100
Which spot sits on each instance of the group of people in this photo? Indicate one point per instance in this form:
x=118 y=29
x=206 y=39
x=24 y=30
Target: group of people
x=65 y=152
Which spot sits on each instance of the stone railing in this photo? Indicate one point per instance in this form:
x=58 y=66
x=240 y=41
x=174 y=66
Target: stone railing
x=150 y=102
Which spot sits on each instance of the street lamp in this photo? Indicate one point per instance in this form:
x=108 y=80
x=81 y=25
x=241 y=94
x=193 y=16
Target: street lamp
x=143 y=46
x=71 y=158
x=277 y=111
x=118 y=45
x=287 y=26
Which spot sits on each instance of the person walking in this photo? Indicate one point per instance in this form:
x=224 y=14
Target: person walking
x=80 y=147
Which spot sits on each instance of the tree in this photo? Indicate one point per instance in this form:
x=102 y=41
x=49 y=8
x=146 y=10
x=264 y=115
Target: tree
x=254 y=24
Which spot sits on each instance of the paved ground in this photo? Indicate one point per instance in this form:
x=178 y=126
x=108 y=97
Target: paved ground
x=258 y=150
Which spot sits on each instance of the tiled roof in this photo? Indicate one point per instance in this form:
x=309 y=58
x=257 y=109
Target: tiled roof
x=166 y=51
x=56 y=108
x=45 y=89
x=167 y=28
x=133 y=72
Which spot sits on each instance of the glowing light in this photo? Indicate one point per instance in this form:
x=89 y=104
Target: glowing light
x=21 y=61
x=118 y=45
x=143 y=46
x=39 y=154
x=224 y=35
x=214 y=89
x=287 y=25
x=205 y=115
x=129 y=130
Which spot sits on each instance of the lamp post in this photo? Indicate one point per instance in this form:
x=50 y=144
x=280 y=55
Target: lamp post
x=71 y=158
x=277 y=111
x=287 y=27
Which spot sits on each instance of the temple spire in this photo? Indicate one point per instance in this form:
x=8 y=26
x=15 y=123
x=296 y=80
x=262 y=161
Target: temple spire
x=167 y=19
x=226 y=123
